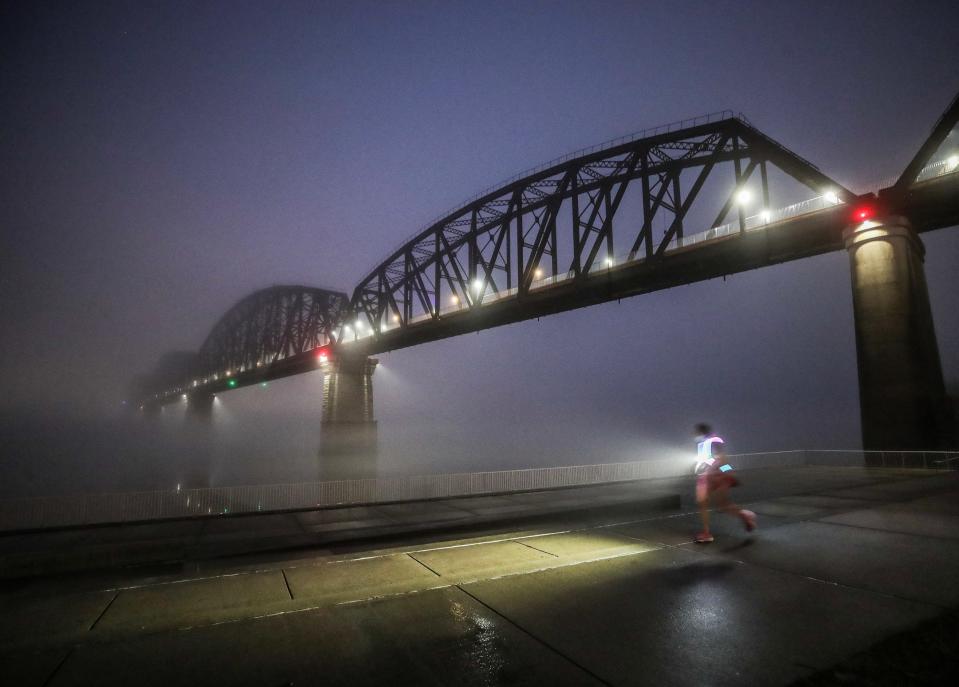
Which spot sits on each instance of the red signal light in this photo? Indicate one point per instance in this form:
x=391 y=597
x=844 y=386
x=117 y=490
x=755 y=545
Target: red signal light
x=323 y=354
x=863 y=212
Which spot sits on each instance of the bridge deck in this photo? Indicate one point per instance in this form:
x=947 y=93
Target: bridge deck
x=843 y=558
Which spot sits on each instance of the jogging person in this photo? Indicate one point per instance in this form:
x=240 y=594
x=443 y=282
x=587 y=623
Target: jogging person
x=713 y=479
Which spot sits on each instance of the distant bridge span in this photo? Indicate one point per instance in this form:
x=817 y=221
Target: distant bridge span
x=619 y=220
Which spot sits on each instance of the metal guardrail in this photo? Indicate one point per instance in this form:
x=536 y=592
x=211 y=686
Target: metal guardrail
x=89 y=509
x=920 y=460
x=94 y=509
x=938 y=169
x=933 y=170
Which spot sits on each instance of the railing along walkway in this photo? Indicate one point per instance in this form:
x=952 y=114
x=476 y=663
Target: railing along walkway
x=111 y=508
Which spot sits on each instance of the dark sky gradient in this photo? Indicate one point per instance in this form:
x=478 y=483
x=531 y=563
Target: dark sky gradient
x=160 y=161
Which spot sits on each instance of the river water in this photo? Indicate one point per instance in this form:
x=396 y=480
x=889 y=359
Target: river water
x=47 y=453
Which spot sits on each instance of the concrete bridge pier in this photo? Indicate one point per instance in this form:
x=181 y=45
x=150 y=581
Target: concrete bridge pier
x=197 y=455
x=901 y=392
x=199 y=406
x=348 y=428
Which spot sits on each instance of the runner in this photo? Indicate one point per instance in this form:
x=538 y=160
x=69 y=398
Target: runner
x=713 y=479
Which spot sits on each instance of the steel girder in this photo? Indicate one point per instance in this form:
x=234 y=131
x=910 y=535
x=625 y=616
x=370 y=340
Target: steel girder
x=268 y=326
x=499 y=245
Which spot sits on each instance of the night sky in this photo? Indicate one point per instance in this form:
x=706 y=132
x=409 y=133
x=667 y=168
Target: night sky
x=162 y=160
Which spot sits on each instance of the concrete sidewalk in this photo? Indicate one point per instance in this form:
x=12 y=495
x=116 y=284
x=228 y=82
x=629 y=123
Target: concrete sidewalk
x=843 y=558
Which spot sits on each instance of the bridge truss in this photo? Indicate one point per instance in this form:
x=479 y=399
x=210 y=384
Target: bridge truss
x=562 y=223
x=559 y=238
x=276 y=325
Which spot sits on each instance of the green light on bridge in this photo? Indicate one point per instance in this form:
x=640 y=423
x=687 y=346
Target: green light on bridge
x=231 y=383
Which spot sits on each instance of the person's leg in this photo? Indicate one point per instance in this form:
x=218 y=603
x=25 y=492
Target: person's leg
x=727 y=506
x=702 y=500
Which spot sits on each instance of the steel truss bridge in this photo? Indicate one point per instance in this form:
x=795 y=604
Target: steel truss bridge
x=615 y=221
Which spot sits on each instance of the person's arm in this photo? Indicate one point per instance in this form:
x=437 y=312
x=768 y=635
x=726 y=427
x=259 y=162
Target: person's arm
x=719 y=455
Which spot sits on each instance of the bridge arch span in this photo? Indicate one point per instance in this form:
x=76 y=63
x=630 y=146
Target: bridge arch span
x=557 y=224
x=268 y=326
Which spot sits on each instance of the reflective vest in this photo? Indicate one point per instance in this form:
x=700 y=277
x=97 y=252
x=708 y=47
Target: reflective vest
x=704 y=453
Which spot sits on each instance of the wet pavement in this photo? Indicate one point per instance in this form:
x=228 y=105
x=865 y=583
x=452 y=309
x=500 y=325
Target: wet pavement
x=619 y=595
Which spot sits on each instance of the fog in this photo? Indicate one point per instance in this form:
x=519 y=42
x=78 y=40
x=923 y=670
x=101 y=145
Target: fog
x=162 y=162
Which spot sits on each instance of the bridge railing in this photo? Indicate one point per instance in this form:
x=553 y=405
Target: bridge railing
x=938 y=169
x=759 y=221
x=753 y=223
x=909 y=460
x=94 y=509
x=933 y=170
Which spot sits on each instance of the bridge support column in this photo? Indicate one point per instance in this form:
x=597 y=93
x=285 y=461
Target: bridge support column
x=901 y=392
x=348 y=428
x=196 y=457
x=199 y=406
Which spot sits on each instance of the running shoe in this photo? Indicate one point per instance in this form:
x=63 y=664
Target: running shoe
x=749 y=519
x=703 y=538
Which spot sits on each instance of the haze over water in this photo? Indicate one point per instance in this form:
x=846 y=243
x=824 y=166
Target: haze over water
x=435 y=415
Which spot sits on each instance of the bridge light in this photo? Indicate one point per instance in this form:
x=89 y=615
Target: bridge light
x=323 y=354
x=396 y=318
x=863 y=212
x=538 y=273
x=831 y=197
x=478 y=285
x=952 y=162
x=765 y=215
x=359 y=323
x=454 y=299
x=231 y=383
x=184 y=397
x=609 y=261
x=743 y=196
